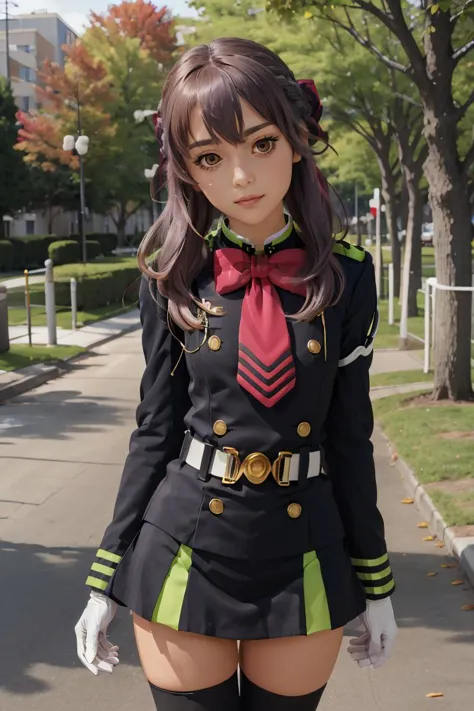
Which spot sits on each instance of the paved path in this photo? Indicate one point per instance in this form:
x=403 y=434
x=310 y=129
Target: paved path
x=62 y=448
x=86 y=336
x=19 y=282
x=391 y=360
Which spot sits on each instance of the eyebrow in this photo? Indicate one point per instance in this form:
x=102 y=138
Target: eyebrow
x=247 y=132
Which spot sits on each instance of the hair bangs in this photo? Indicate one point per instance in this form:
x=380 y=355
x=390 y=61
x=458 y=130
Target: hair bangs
x=217 y=90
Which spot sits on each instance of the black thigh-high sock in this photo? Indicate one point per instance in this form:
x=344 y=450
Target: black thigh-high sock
x=254 y=698
x=223 y=697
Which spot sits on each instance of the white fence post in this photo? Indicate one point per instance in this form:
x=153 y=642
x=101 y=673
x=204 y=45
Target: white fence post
x=391 y=315
x=50 y=302
x=426 y=365
x=74 y=303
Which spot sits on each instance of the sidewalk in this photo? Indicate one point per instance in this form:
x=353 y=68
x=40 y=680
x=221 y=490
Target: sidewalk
x=87 y=336
x=17 y=382
x=458 y=540
x=19 y=282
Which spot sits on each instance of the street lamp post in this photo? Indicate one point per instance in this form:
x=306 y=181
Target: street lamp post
x=80 y=146
x=7 y=36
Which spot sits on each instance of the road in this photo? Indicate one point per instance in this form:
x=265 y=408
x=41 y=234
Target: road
x=62 y=447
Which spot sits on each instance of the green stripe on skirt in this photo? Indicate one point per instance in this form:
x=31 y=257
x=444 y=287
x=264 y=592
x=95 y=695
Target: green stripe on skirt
x=315 y=599
x=170 y=601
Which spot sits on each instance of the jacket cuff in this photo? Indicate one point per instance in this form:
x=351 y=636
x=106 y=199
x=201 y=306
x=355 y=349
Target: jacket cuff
x=102 y=569
x=376 y=576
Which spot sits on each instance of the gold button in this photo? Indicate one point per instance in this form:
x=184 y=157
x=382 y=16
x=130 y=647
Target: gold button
x=216 y=506
x=214 y=343
x=294 y=510
x=218 y=309
x=304 y=428
x=220 y=427
x=314 y=346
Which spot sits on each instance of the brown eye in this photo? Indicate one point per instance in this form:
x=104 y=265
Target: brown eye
x=265 y=145
x=210 y=160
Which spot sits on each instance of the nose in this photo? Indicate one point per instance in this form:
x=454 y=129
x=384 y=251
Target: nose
x=243 y=176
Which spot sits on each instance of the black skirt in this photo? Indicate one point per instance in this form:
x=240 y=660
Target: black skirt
x=192 y=590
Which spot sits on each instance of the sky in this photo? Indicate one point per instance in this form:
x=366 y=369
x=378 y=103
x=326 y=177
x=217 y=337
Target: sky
x=67 y=9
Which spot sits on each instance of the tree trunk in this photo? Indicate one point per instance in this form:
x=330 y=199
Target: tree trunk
x=449 y=200
x=389 y=193
x=411 y=280
x=416 y=216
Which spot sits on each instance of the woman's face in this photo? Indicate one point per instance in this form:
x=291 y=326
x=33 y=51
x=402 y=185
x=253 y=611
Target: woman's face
x=246 y=182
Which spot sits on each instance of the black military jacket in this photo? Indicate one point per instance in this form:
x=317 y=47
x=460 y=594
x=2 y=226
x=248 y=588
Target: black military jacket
x=328 y=409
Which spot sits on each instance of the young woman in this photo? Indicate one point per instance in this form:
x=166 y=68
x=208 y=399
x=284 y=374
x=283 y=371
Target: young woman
x=246 y=530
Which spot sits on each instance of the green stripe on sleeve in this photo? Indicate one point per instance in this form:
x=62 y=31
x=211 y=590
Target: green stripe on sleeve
x=370 y=562
x=96 y=583
x=170 y=601
x=315 y=600
x=112 y=557
x=380 y=590
x=375 y=576
x=99 y=568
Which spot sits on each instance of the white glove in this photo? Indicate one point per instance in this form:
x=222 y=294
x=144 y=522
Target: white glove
x=375 y=645
x=93 y=648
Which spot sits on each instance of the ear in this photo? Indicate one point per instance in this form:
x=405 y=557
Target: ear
x=296 y=157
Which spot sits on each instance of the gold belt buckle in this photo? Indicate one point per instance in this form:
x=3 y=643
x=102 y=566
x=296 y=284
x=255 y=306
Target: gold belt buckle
x=256 y=467
x=233 y=471
x=281 y=468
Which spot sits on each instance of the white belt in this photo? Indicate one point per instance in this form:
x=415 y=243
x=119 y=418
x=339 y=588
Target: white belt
x=221 y=462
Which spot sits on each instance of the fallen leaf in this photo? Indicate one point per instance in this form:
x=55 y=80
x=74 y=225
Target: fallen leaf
x=457 y=582
x=429 y=538
x=423 y=524
x=467 y=607
x=440 y=544
x=408 y=501
x=448 y=565
x=434 y=694
x=431 y=575
x=394 y=457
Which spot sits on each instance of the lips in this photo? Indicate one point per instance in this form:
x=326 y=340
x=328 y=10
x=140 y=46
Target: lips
x=248 y=199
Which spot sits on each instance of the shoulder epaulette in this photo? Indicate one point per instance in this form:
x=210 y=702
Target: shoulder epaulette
x=349 y=250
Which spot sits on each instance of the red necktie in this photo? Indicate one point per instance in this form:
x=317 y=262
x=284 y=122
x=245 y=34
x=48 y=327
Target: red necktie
x=266 y=368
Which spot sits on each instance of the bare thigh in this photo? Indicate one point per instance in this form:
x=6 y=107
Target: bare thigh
x=291 y=666
x=181 y=661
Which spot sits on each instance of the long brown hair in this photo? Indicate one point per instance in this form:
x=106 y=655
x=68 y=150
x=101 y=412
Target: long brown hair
x=216 y=77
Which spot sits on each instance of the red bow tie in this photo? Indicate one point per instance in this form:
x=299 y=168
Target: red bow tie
x=266 y=367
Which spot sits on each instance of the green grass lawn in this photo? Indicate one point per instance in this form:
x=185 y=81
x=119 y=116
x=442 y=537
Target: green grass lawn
x=437 y=442
x=400 y=377
x=20 y=356
x=389 y=336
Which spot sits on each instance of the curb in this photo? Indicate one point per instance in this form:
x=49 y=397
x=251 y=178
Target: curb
x=462 y=547
x=35 y=375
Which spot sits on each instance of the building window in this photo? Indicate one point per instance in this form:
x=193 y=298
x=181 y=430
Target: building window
x=30 y=227
x=27 y=74
x=25 y=48
x=25 y=103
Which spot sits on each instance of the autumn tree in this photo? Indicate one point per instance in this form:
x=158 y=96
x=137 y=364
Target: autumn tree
x=116 y=68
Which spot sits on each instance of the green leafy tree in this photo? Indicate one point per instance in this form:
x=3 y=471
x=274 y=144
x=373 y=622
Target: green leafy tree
x=436 y=39
x=13 y=171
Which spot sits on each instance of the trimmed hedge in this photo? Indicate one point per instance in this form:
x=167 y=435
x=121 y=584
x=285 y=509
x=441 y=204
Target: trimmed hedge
x=65 y=251
x=31 y=252
x=7 y=256
x=93 y=249
x=95 y=290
